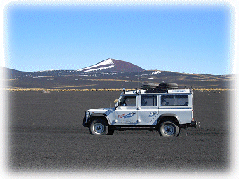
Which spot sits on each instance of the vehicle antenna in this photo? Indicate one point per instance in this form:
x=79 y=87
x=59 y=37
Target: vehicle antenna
x=138 y=78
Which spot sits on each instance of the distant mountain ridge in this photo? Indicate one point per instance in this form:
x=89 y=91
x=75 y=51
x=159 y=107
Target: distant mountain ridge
x=110 y=73
x=105 y=66
x=112 y=65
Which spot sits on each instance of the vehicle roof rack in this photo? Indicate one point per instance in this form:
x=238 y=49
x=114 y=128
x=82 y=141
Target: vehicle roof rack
x=158 y=87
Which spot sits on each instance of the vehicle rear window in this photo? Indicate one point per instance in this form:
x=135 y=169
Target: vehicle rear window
x=174 y=100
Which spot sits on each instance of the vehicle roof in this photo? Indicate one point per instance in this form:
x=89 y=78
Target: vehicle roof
x=172 y=91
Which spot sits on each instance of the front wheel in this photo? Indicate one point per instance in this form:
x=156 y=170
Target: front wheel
x=98 y=127
x=168 y=129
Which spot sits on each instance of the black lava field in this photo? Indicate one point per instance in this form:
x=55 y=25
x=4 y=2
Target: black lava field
x=46 y=134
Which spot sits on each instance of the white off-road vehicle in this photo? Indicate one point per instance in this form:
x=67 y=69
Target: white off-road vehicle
x=160 y=107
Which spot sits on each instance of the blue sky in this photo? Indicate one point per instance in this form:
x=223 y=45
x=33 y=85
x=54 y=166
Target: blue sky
x=191 y=39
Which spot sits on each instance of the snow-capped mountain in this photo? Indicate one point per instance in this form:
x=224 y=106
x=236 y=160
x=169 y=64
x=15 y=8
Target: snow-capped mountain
x=112 y=65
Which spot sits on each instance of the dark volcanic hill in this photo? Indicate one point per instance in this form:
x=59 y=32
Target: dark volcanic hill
x=112 y=65
x=12 y=73
x=110 y=73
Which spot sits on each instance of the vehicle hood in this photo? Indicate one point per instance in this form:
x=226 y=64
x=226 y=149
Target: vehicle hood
x=101 y=110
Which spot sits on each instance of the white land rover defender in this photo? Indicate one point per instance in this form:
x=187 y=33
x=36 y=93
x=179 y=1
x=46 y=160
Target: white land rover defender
x=160 y=107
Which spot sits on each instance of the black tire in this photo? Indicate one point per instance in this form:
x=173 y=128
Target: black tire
x=98 y=126
x=168 y=129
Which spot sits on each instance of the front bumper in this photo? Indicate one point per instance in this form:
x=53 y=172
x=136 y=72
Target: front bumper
x=84 y=122
x=86 y=119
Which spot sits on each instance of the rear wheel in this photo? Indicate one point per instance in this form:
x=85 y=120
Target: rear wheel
x=168 y=129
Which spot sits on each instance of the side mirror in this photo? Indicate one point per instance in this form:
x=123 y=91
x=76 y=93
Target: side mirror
x=116 y=103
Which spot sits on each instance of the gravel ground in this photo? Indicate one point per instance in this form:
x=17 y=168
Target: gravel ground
x=46 y=134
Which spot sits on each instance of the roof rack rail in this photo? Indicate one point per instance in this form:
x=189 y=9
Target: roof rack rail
x=158 y=87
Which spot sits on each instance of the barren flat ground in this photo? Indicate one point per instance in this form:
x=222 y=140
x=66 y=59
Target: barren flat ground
x=46 y=134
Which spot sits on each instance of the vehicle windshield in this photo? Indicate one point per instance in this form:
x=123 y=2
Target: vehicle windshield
x=127 y=101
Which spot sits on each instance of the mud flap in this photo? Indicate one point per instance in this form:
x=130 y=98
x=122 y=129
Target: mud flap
x=106 y=129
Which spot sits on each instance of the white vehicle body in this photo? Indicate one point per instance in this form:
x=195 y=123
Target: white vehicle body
x=139 y=109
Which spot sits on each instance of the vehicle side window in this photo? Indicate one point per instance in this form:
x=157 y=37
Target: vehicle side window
x=148 y=100
x=128 y=101
x=174 y=100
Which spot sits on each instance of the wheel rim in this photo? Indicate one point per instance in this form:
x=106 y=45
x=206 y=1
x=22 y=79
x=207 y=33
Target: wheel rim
x=99 y=128
x=169 y=129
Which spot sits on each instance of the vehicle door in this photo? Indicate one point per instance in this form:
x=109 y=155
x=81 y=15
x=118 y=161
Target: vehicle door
x=126 y=113
x=148 y=109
